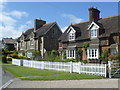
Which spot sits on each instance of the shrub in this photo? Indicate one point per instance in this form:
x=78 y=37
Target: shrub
x=118 y=56
x=85 y=61
x=71 y=60
x=53 y=54
x=9 y=58
x=112 y=57
x=21 y=57
x=79 y=53
x=85 y=46
x=13 y=55
x=4 y=59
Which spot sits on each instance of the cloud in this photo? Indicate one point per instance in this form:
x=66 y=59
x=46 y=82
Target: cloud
x=72 y=18
x=18 y=14
x=9 y=24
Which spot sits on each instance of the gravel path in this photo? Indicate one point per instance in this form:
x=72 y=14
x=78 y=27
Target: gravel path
x=98 y=83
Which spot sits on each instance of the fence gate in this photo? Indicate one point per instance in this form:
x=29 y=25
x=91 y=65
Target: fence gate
x=114 y=69
x=76 y=67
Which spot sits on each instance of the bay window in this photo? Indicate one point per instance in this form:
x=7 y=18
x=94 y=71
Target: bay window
x=71 y=53
x=93 y=53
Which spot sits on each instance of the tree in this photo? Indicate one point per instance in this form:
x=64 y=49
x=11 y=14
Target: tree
x=53 y=54
x=36 y=54
x=85 y=46
x=79 y=53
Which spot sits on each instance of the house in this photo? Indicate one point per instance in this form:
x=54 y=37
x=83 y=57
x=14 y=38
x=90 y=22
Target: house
x=9 y=42
x=43 y=38
x=100 y=33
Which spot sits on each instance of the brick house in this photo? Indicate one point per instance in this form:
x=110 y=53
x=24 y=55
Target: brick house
x=43 y=37
x=9 y=42
x=100 y=33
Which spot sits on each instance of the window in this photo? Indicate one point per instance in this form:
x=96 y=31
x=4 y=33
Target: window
x=93 y=53
x=113 y=51
x=22 y=44
x=31 y=42
x=93 y=33
x=71 y=53
x=71 y=36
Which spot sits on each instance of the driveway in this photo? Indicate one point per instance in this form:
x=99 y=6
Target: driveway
x=101 y=83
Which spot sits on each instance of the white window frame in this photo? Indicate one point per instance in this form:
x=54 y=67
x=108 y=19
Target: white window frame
x=93 y=53
x=71 y=53
x=93 y=33
x=71 y=36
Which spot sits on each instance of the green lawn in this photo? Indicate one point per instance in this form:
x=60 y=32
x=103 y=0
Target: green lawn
x=20 y=71
x=65 y=76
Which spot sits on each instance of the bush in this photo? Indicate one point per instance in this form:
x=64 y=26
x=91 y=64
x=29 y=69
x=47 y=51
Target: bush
x=53 y=54
x=13 y=55
x=85 y=61
x=118 y=56
x=21 y=57
x=4 y=59
x=71 y=60
x=9 y=58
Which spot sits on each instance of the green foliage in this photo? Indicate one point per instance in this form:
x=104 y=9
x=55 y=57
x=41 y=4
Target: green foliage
x=118 y=56
x=79 y=53
x=13 y=55
x=105 y=53
x=4 y=59
x=64 y=55
x=36 y=54
x=16 y=56
x=71 y=60
x=9 y=58
x=85 y=61
x=53 y=54
x=9 y=48
x=85 y=46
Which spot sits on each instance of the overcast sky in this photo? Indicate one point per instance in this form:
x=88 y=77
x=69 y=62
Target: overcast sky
x=17 y=17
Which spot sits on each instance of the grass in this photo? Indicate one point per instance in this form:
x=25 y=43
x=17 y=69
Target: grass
x=20 y=71
x=65 y=76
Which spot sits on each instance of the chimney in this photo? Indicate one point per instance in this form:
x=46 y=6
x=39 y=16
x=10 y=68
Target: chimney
x=94 y=14
x=38 y=23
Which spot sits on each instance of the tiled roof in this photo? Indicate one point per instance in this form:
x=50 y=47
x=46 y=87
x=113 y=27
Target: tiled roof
x=41 y=31
x=9 y=40
x=109 y=24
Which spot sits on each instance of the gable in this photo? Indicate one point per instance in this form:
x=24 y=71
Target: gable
x=71 y=30
x=93 y=25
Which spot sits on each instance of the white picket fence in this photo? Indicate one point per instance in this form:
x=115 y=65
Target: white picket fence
x=16 y=62
x=91 y=69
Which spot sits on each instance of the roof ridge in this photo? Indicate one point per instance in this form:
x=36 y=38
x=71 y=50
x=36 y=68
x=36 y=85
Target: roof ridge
x=81 y=22
x=49 y=23
x=110 y=16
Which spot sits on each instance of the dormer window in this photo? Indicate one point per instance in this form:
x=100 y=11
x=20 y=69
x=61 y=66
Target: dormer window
x=94 y=33
x=71 y=36
x=71 y=32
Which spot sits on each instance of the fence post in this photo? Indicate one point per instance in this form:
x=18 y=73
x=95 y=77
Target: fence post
x=105 y=70
x=71 y=67
x=109 y=69
x=79 y=67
